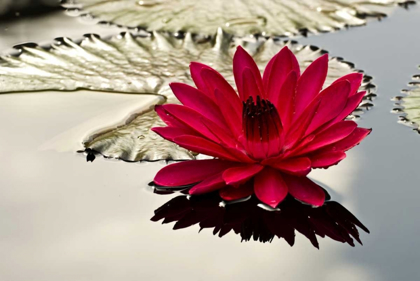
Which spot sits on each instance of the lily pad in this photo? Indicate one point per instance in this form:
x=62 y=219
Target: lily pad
x=239 y=17
x=144 y=65
x=408 y=105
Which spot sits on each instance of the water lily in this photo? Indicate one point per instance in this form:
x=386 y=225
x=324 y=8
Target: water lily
x=266 y=138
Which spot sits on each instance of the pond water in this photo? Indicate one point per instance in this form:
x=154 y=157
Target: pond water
x=65 y=219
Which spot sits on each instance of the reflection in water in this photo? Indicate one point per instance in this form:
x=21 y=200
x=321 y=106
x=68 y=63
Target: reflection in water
x=10 y=10
x=252 y=220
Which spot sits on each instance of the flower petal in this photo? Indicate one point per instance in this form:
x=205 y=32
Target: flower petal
x=299 y=126
x=334 y=99
x=230 y=193
x=355 y=80
x=215 y=81
x=232 y=120
x=350 y=141
x=208 y=185
x=331 y=135
x=302 y=144
x=270 y=187
x=208 y=80
x=241 y=174
x=299 y=166
x=310 y=83
x=242 y=60
x=250 y=87
x=190 y=172
x=220 y=134
x=284 y=101
x=352 y=103
x=327 y=159
x=277 y=71
x=204 y=146
x=168 y=118
x=194 y=99
x=195 y=70
x=305 y=190
x=189 y=118
x=354 y=139
x=169 y=133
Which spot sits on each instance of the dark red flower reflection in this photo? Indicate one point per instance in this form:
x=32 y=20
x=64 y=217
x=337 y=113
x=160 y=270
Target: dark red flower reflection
x=251 y=221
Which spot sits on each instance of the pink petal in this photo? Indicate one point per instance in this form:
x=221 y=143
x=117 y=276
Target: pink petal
x=354 y=139
x=301 y=145
x=310 y=83
x=267 y=71
x=270 y=187
x=215 y=81
x=195 y=70
x=299 y=166
x=305 y=190
x=241 y=174
x=242 y=60
x=349 y=142
x=169 y=133
x=208 y=185
x=230 y=193
x=201 y=145
x=189 y=172
x=191 y=119
x=277 y=71
x=220 y=134
x=355 y=80
x=194 y=99
x=168 y=118
x=334 y=99
x=240 y=155
x=284 y=101
x=233 y=121
x=299 y=126
x=250 y=87
x=352 y=103
x=331 y=135
x=327 y=159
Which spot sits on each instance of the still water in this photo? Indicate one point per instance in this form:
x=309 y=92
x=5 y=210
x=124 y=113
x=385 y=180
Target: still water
x=65 y=219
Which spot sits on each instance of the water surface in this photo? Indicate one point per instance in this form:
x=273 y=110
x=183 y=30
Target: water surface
x=65 y=219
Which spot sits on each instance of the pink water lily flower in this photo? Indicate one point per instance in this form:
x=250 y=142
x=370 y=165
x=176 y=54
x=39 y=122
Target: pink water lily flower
x=268 y=137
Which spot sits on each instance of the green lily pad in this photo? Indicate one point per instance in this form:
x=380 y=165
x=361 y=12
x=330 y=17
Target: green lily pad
x=239 y=17
x=143 y=65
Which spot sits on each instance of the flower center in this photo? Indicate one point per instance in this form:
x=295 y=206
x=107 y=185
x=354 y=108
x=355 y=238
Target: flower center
x=262 y=128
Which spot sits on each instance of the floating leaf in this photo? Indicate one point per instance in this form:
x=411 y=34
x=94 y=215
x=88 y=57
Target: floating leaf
x=143 y=65
x=239 y=17
x=408 y=106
